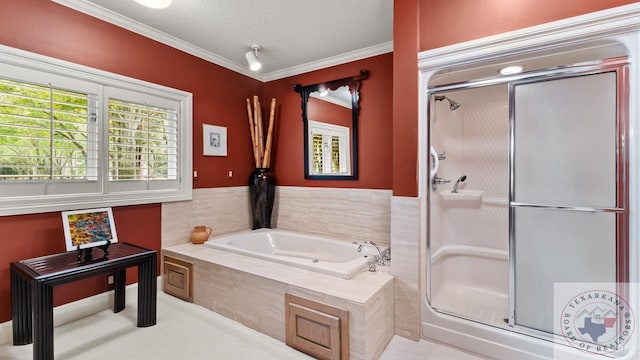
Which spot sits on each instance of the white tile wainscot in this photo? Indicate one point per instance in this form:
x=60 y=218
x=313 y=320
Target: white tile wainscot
x=351 y=214
x=225 y=210
x=405 y=264
x=251 y=291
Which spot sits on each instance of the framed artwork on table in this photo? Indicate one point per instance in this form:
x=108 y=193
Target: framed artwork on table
x=88 y=228
x=214 y=141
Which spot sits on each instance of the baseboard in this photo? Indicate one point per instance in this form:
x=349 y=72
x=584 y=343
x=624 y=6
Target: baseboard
x=76 y=310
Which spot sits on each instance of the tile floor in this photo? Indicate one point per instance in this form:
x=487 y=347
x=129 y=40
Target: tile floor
x=188 y=331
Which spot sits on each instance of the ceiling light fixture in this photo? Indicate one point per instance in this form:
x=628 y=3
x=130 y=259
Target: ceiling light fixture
x=252 y=58
x=155 y=4
x=511 y=70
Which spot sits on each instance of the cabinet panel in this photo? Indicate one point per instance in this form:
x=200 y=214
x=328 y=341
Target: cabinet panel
x=177 y=278
x=317 y=329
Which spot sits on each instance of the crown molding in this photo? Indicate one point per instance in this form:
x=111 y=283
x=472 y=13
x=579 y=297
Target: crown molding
x=331 y=61
x=114 y=18
x=563 y=32
x=153 y=34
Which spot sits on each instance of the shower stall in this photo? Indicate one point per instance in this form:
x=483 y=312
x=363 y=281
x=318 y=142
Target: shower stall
x=528 y=188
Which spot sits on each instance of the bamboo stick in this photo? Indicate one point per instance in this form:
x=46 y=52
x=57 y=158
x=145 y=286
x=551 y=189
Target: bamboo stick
x=253 y=138
x=266 y=160
x=260 y=133
x=255 y=130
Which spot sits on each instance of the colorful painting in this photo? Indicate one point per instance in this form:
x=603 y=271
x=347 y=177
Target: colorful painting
x=88 y=228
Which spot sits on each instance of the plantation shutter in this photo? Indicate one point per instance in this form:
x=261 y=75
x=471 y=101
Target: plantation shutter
x=143 y=142
x=74 y=137
x=48 y=134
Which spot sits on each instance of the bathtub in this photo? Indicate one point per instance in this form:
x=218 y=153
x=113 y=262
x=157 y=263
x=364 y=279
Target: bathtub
x=334 y=257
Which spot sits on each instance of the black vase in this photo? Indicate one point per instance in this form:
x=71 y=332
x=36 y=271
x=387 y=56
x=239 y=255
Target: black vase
x=262 y=191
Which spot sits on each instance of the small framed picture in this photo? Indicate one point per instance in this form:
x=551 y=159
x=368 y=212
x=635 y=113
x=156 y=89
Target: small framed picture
x=214 y=140
x=88 y=228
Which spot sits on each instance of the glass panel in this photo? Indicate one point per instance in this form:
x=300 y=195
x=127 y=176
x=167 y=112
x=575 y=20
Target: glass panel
x=565 y=154
x=469 y=230
x=565 y=141
x=554 y=246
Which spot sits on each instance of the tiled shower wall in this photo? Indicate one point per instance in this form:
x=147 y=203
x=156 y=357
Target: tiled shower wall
x=476 y=141
x=350 y=214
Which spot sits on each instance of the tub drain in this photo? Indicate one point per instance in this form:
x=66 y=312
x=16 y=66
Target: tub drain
x=315 y=260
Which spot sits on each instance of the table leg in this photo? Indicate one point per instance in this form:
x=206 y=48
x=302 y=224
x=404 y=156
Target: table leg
x=21 y=307
x=42 y=321
x=147 y=295
x=120 y=281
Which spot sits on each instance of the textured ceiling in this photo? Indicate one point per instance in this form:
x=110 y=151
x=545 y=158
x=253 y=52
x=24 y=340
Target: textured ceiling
x=295 y=35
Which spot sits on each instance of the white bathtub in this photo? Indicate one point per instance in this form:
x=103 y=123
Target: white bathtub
x=334 y=257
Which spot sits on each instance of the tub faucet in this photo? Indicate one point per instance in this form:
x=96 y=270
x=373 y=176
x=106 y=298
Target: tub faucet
x=380 y=257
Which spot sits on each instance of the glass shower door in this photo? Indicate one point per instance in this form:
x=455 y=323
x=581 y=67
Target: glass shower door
x=568 y=189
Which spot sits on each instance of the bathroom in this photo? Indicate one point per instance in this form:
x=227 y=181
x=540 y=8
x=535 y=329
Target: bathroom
x=384 y=205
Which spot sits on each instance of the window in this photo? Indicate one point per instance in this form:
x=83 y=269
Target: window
x=74 y=137
x=329 y=148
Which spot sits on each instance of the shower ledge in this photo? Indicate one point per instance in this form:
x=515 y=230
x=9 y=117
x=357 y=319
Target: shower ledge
x=461 y=195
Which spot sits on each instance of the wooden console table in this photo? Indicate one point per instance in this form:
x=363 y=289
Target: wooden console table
x=32 y=283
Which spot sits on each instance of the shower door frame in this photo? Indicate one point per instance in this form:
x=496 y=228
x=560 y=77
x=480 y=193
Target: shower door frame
x=619 y=65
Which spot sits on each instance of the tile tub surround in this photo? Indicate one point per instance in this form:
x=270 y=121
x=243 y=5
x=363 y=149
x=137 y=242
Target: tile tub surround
x=225 y=210
x=251 y=291
x=350 y=214
x=405 y=264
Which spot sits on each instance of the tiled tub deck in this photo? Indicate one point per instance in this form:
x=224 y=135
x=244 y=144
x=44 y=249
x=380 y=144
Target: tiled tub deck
x=251 y=291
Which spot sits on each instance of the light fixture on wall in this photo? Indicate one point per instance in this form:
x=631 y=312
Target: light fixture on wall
x=252 y=58
x=155 y=4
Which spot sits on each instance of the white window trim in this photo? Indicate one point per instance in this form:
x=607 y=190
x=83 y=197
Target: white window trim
x=326 y=129
x=51 y=203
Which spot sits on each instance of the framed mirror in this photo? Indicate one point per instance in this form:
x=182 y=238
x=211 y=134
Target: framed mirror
x=330 y=116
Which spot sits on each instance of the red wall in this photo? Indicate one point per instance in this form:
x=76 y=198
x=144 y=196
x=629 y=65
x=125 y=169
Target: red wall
x=405 y=98
x=44 y=27
x=374 y=132
x=446 y=22
x=330 y=113
x=28 y=236
x=218 y=93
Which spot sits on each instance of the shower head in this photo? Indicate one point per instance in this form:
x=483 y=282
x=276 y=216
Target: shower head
x=453 y=105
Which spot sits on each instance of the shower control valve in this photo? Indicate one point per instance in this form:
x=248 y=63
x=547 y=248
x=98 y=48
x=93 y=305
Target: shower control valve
x=438 y=181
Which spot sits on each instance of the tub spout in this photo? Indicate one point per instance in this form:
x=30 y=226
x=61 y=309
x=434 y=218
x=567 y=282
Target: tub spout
x=380 y=256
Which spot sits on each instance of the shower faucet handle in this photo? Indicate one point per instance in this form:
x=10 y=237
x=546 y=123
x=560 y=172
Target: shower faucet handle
x=442 y=156
x=439 y=181
x=435 y=181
